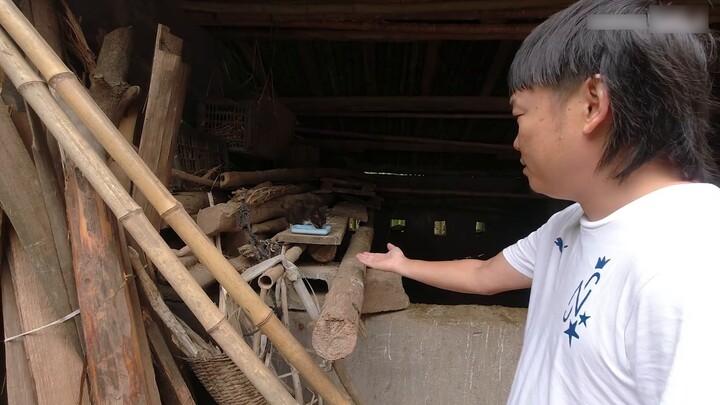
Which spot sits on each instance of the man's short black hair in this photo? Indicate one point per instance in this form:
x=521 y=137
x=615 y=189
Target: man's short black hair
x=659 y=84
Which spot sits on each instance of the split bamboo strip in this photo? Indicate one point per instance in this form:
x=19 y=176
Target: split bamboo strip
x=70 y=89
x=131 y=216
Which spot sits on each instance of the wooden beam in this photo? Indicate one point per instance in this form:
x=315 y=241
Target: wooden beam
x=410 y=146
x=409 y=139
x=410 y=114
x=385 y=9
x=394 y=33
x=459 y=193
x=453 y=104
x=232 y=19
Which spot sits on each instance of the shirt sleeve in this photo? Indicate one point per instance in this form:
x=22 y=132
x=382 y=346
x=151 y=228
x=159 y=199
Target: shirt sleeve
x=521 y=255
x=670 y=342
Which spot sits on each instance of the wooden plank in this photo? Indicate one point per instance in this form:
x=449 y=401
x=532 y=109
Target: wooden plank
x=23 y=201
x=113 y=340
x=19 y=382
x=337 y=231
x=166 y=97
x=54 y=362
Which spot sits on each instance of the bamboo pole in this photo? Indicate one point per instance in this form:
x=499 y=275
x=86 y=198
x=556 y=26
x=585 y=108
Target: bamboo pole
x=132 y=218
x=70 y=89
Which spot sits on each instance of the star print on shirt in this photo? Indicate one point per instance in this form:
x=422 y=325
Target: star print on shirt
x=570 y=331
x=560 y=244
x=575 y=313
x=583 y=319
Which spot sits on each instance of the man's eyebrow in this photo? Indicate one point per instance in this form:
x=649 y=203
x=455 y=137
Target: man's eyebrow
x=512 y=101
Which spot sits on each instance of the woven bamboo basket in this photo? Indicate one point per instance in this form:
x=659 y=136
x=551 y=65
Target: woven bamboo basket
x=225 y=382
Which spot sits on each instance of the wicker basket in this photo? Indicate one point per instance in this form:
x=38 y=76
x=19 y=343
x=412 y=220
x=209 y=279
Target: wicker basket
x=225 y=382
x=197 y=153
x=262 y=128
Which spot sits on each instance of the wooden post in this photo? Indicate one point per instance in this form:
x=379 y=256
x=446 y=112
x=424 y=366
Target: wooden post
x=335 y=332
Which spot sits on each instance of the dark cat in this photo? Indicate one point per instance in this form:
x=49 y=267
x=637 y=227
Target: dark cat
x=303 y=211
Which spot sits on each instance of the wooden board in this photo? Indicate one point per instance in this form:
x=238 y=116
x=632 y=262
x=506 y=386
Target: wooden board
x=335 y=237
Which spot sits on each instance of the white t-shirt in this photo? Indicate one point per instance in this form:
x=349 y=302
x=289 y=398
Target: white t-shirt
x=624 y=310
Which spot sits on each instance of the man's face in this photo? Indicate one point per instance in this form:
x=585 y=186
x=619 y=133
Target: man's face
x=550 y=142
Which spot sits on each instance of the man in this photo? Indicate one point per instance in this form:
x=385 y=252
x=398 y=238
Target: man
x=621 y=308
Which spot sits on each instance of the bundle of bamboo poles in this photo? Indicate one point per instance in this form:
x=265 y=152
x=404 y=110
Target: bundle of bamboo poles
x=132 y=218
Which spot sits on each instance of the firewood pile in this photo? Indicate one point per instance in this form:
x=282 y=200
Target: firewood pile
x=96 y=305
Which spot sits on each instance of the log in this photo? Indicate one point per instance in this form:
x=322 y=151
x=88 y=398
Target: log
x=54 y=361
x=270 y=227
x=19 y=382
x=192 y=201
x=335 y=333
x=166 y=97
x=223 y=217
x=322 y=253
x=23 y=202
x=242 y=179
x=179 y=174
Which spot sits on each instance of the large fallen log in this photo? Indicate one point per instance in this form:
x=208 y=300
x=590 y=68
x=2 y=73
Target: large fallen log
x=335 y=332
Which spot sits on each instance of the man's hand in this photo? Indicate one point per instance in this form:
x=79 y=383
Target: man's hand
x=394 y=260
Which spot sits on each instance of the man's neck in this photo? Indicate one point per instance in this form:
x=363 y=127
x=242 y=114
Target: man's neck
x=605 y=195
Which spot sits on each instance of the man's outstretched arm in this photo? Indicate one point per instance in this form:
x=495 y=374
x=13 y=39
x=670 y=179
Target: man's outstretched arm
x=473 y=276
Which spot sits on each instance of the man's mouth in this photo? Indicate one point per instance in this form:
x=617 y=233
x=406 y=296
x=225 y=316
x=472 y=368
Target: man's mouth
x=522 y=162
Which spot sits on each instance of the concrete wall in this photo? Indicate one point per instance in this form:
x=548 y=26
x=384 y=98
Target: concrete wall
x=434 y=354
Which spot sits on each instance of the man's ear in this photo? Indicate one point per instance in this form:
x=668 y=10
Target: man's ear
x=596 y=100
